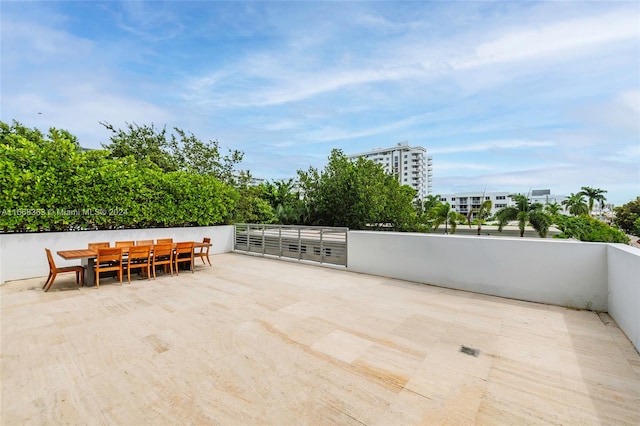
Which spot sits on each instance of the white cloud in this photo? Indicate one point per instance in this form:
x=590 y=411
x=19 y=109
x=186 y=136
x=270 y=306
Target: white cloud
x=329 y=134
x=561 y=37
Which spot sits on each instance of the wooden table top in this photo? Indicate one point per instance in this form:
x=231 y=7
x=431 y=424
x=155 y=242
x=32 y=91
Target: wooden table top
x=82 y=253
x=76 y=254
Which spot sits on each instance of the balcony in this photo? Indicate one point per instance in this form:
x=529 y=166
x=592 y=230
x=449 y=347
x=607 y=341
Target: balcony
x=256 y=340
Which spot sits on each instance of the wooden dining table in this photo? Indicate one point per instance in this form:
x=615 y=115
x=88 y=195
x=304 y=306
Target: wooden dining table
x=88 y=259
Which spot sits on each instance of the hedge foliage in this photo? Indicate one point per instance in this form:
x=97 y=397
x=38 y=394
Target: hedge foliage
x=585 y=228
x=48 y=183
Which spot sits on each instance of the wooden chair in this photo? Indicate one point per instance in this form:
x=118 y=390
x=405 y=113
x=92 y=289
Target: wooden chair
x=204 y=252
x=124 y=243
x=164 y=241
x=96 y=246
x=139 y=258
x=184 y=253
x=53 y=271
x=162 y=255
x=109 y=259
x=144 y=242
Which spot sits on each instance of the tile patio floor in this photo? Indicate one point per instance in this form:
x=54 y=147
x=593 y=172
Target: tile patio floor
x=259 y=341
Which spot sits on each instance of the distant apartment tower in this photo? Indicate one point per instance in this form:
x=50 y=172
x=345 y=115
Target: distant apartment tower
x=409 y=164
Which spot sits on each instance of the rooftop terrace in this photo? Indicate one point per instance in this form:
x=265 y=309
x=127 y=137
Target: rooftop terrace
x=260 y=341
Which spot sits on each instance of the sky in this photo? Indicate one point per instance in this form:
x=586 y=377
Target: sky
x=507 y=96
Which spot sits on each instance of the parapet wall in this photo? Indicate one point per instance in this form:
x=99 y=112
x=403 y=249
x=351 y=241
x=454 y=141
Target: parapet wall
x=595 y=276
x=22 y=255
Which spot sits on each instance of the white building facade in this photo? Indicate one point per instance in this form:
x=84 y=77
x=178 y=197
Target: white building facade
x=410 y=164
x=463 y=202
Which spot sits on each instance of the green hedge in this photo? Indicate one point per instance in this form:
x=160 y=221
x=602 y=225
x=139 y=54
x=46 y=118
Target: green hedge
x=48 y=183
x=585 y=228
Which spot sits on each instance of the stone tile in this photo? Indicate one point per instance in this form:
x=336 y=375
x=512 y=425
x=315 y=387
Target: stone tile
x=258 y=341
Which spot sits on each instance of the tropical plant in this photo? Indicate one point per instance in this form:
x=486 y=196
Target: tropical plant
x=482 y=212
x=173 y=151
x=553 y=208
x=627 y=216
x=357 y=194
x=593 y=194
x=49 y=184
x=524 y=212
x=285 y=201
x=586 y=228
x=576 y=204
x=442 y=214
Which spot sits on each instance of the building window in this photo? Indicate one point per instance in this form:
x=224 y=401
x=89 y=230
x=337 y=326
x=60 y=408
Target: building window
x=453 y=199
x=443 y=199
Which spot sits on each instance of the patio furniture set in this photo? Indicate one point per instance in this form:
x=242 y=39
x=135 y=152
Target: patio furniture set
x=144 y=256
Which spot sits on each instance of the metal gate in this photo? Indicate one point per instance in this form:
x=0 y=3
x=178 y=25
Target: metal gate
x=312 y=243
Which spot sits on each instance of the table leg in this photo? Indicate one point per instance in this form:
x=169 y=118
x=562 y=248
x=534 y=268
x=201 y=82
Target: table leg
x=89 y=271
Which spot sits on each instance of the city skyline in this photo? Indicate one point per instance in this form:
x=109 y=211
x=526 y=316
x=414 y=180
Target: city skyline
x=503 y=95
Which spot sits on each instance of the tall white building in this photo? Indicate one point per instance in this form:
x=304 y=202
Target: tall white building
x=409 y=164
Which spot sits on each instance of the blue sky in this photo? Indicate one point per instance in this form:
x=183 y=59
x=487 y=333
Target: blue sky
x=504 y=95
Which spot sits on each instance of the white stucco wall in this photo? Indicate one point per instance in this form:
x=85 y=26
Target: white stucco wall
x=567 y=273
x=624 y=289
x=16 y=248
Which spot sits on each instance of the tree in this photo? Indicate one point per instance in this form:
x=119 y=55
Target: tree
x=251 y=207
x=355 y=193
x=593 y=194
x=586 y=228
x=524 y=212
x=576 y=205
x=442 y=214
x=172 y=152
x=482 y=212
x=64 y=188
x=285 y=201
x=552 y=208
x=627 y=215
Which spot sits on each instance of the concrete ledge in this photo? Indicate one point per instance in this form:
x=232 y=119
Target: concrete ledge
x=22 y=255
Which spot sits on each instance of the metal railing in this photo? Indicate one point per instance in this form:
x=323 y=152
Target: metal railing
x=311 y=243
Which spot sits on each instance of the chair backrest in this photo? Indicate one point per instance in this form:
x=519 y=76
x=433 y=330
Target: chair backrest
x=96 y=246
x=144 y=242
x=164 y=241
x=184 y=247
x=161 y=250
x=124 y=243
x=106 y=254
x=52 y=264
x=139 y=252
x=206 y=240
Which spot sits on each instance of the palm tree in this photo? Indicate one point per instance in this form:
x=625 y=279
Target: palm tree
x=524 y=212
x=576 y=205
x=593 y=194
x=481 y=213
x=442 y=213
x=553 y=208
